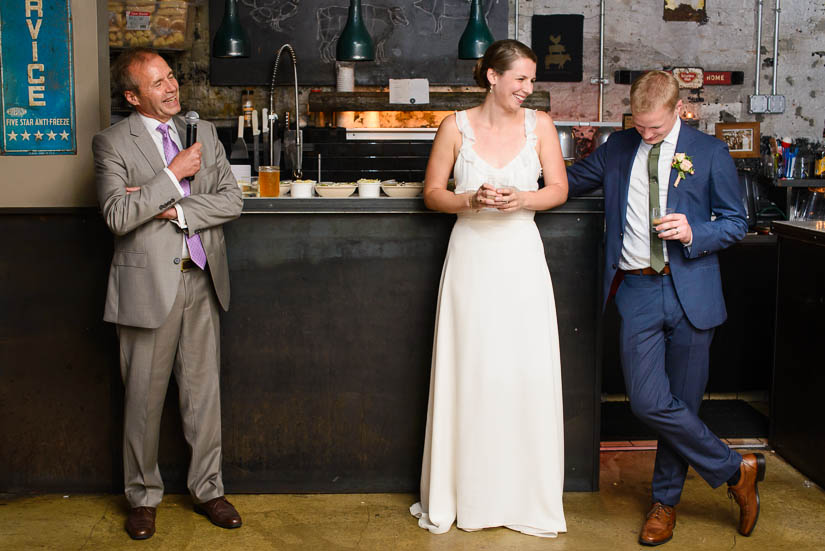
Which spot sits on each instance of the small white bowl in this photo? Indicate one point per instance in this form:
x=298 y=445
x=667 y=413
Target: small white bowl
x=371 y=188
x=329 y=189
x=302 y=188
x=402 y=189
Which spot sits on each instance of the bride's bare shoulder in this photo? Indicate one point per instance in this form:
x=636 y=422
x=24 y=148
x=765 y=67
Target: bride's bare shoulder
x=543 y=118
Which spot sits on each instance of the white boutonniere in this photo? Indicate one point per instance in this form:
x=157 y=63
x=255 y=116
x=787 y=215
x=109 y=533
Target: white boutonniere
x=684 y=164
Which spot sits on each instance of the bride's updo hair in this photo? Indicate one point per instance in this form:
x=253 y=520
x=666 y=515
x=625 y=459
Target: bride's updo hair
x=500 y=56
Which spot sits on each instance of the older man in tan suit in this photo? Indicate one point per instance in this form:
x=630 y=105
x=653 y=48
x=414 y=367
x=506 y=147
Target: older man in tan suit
x=165 y=203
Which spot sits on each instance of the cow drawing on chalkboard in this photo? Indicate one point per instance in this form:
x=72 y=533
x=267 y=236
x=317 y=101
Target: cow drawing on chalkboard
x=272 y=13
x=381 y=22
x=449 y=9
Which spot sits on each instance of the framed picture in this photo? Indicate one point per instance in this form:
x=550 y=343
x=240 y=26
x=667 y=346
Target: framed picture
x=742 y=138
x=558 y=42
x=685 y=10
x=627 y=121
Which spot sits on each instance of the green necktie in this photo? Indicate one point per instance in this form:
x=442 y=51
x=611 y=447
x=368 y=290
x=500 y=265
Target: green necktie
x=657 y=253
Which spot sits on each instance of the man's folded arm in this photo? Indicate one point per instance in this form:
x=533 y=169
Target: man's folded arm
x=124 y=211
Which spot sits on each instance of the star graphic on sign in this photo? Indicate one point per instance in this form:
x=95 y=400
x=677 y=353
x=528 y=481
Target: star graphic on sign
x=64 y=135
x=51 y=135
x=25 y=135
x=38 y=135
x=12 y=135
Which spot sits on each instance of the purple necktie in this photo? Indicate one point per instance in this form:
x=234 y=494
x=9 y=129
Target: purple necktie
x=170 y=150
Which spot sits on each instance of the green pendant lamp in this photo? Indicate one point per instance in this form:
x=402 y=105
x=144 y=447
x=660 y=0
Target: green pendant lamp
x=231 y=39
x=477 y=36
x=355 y=43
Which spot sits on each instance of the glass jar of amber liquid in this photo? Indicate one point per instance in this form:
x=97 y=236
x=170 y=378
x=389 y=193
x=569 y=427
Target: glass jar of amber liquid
x=269 y=181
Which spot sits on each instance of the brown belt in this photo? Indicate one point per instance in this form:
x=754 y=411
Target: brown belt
x=187 y=264
x=648 y=271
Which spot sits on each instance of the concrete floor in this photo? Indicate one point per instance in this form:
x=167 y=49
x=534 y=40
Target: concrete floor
x=793 y=516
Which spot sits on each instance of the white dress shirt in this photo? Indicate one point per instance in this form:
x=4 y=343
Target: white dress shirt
x=152 y=126
x=637 y=229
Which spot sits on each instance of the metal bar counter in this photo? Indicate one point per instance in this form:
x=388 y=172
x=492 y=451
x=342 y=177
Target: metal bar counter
x=325 y=350
x=329 y=340
x=386 y=205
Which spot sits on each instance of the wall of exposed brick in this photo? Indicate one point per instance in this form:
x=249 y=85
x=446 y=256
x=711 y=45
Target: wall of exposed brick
x=637 y=38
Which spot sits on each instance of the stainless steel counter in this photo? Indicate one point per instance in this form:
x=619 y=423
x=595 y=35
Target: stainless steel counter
x=813 y=232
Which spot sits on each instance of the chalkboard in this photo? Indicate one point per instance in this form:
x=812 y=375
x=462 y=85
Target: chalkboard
x=413 y=39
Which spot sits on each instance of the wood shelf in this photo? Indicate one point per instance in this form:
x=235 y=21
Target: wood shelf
x=439 y=101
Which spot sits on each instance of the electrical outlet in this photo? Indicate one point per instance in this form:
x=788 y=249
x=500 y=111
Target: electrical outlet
x=776 y=104
x=758 y=104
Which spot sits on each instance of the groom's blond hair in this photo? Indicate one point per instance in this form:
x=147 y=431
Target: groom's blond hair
x=652 y=90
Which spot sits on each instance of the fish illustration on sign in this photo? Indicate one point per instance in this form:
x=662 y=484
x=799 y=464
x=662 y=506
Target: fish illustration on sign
x=556 y=53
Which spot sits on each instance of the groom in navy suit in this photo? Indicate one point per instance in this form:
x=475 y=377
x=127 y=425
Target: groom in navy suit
x=668 y=289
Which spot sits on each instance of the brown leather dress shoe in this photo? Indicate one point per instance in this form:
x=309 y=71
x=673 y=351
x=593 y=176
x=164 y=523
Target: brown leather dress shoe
x=140 y=524
x=220 y=512
x=746 y=491
x=658 y=527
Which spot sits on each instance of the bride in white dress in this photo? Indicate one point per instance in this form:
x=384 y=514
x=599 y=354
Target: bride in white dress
x=494 y=448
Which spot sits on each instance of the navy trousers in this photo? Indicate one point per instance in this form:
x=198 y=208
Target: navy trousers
x=665 y=365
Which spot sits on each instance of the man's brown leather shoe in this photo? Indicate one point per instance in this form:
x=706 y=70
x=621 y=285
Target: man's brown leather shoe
x=140 y=524
x=220 y=512
x=658 y=527
x=746 y=491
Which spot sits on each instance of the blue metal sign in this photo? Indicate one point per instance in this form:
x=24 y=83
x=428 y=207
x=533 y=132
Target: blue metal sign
x=36 y=71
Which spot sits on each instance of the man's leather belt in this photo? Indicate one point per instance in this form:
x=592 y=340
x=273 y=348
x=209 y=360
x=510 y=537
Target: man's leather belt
x=187 y=264
x=649 y=271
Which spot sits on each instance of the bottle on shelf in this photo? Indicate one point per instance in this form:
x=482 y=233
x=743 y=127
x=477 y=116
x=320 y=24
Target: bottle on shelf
x=819 y=158
x=247 y=106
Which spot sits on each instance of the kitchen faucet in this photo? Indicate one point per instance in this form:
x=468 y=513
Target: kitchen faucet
x=297 y=172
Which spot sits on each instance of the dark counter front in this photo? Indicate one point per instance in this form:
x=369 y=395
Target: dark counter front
x=328 y=343
x=796 y=430
x=61 y=399
x=325 y=350
x=741 y=353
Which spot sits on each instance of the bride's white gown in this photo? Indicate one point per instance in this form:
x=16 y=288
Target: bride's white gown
x=494 y=448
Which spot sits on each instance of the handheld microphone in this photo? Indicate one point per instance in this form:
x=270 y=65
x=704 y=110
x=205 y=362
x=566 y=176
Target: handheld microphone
x=192 y=119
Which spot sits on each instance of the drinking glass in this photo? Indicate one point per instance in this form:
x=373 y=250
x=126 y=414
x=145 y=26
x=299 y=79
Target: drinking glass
x=498 y=181
x=798 y=208
x=656 y=215
x=802 y=167
x=814 y=209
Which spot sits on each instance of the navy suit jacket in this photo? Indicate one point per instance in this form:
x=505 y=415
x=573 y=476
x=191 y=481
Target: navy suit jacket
x=711 y=199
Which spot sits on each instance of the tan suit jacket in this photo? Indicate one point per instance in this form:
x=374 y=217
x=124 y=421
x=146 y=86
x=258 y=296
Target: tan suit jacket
x=145 y=271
